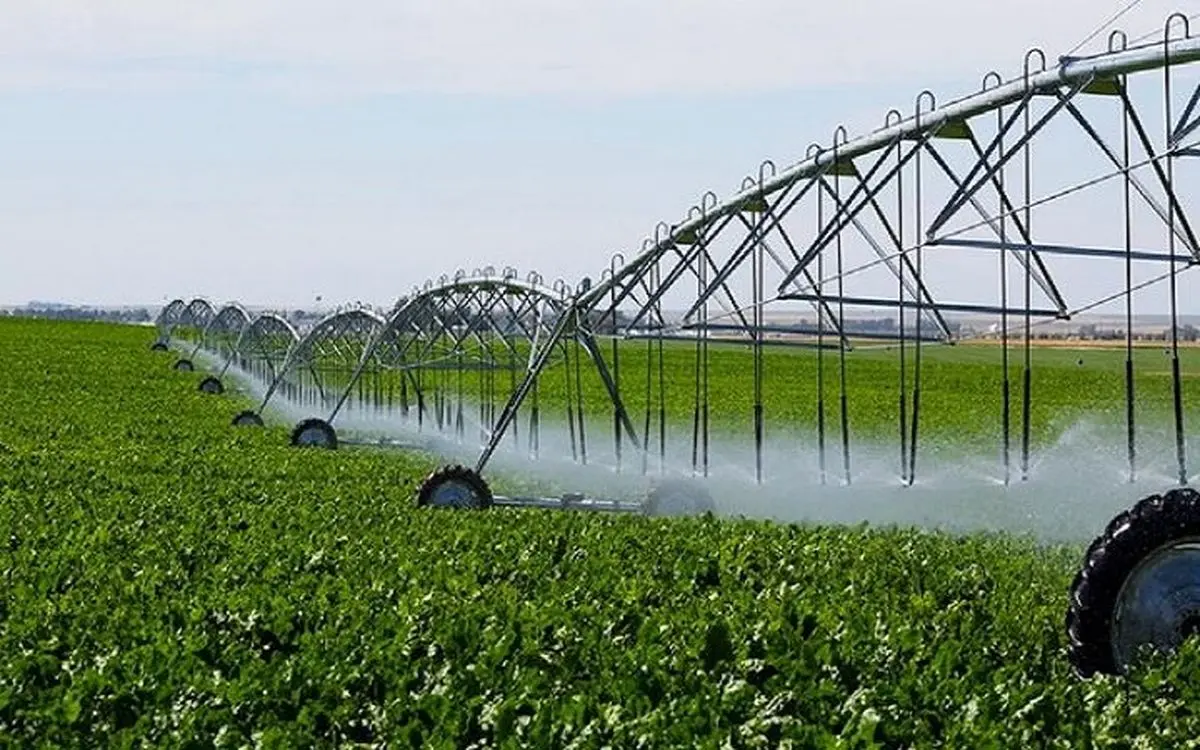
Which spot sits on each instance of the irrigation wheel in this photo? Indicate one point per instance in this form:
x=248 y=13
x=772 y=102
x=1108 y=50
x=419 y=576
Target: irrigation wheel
x=247 y=419
x=455 y=487
x=212 y=385
x=1139 y=585
x=158 y=346
x=184 y=365
x=315 y=433
x=678 y=497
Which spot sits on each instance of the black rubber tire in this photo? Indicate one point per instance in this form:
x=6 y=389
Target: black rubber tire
x=679 y=497
x=1132 y=535
x=247 y=419
x=480 y=492
x=329 y=439
x=158 y=346
x=211 y=385
x=183 y=365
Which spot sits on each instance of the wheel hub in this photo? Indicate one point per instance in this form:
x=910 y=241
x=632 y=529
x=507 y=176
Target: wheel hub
x=247 y=419
x=312 y=436
x=1159 y=603
x=453 y=493
x=212 y=386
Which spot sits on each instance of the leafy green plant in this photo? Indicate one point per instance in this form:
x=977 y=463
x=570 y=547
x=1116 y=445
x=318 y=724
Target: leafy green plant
x=168 y=580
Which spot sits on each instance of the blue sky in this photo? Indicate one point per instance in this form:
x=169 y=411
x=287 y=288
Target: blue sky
x=270 y=152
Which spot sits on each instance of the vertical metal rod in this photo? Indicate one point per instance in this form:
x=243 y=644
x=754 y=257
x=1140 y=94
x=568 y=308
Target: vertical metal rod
x=486 y=427
x=705 y=365
x=512 y=388
x=653 y=288
x=481 y=395
x=378 y=388
x=649 y=404
x=1130 y=393
x=481 y=408
x=817 y=290
x=440 y=376
x=459 y=427
x=579 y=394
x=756 y=273
x=493 y=392
x=1176 y=380
x=918 y=271
x=1027 y=375
x=903 y=385
x=1006 y=381
x=348 y=371
x=420 y=378
x=662 y=388
x=616 y=353
x=489 y=413
x=375 y=392
x=843 y=396
x=535 y=420
x=447 y=394
x=696 y=370
x=570 y=398
x=439 y=389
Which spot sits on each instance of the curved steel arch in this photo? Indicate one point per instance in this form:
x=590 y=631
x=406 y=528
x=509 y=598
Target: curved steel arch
x=472 y=328
x=232 y=317
x=191 y=322
x=324 y=357
x=168 y=318
x=263 y=346
x=220 y=336
x=198 y=313
x=451 y=319
x=468 y=323
x=331 y=335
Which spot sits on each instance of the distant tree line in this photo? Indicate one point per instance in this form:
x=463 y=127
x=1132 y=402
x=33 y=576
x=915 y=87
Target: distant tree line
x=72 y=312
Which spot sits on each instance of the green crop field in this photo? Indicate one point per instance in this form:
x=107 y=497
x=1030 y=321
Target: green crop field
x=962 y=398
x=961 y=402
x=171 y=581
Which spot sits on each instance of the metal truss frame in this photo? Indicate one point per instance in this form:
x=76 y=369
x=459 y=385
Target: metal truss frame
x=889 y=205
x=168 y=318
x=330 y=349
x=263 y=346
x=865 y=224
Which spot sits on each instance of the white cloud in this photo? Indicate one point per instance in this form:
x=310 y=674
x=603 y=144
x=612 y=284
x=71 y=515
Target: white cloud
x=587 y=47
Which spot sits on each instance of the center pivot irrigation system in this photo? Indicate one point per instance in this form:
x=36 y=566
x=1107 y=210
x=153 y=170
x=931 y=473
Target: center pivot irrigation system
x=1062 y=191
